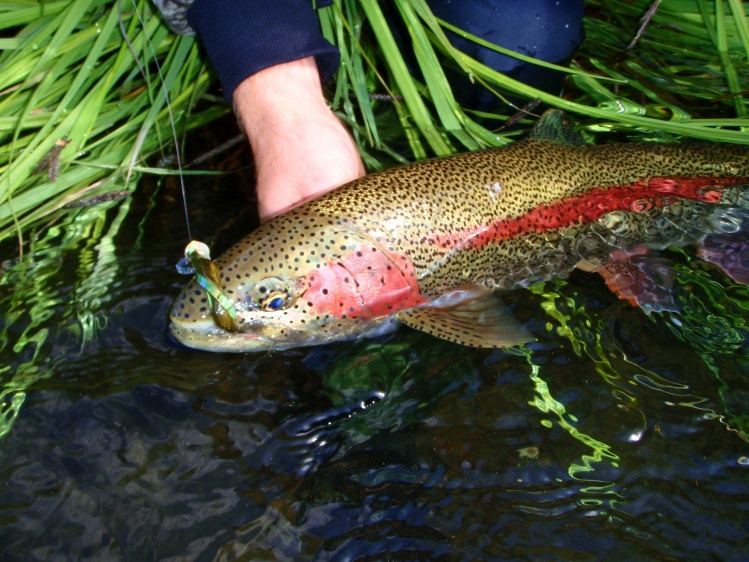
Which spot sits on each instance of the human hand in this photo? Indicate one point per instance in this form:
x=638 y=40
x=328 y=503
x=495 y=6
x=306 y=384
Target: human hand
x=301 y=149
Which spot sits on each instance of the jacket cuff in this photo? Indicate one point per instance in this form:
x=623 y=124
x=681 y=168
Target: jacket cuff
x=243 y=38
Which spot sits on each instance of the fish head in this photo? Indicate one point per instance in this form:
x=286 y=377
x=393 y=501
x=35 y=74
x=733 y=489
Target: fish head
x=300 y=279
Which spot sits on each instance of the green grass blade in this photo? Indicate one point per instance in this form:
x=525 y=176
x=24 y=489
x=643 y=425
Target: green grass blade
x=406 y=84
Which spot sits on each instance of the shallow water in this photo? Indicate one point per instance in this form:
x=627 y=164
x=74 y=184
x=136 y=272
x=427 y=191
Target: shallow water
x=615 y=435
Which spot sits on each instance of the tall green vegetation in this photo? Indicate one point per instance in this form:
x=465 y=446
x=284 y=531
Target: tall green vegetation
x=70 y=86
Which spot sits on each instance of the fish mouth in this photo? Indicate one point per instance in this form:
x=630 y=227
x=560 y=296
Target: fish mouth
x=199 y=328
x=205 y=335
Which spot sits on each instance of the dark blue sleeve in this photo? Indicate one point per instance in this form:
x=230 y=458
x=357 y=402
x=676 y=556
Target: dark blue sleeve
x=244 y=37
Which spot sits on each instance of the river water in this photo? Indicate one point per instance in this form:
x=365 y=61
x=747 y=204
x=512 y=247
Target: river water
x=614 y=435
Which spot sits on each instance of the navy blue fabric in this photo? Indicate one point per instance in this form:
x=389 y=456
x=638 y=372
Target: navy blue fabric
x=549 y=30
x=244 y=37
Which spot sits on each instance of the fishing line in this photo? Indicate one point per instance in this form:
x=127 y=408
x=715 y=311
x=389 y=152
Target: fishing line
x=166 y=97
x=197 y=260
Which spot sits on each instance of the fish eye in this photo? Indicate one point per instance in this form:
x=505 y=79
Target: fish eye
x=271 y=294
x=274 y=302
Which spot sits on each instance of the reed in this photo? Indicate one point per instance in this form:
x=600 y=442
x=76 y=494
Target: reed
x=77 y=118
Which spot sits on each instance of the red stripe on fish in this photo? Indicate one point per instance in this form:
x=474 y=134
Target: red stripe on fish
x=637 y=196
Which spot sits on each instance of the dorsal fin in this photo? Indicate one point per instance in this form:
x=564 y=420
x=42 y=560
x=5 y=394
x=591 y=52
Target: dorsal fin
x=554 y=126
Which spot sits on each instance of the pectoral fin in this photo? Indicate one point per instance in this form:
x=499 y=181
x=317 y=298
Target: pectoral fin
x=468 y=317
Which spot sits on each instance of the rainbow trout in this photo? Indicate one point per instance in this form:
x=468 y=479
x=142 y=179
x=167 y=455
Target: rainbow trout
x=431 y=243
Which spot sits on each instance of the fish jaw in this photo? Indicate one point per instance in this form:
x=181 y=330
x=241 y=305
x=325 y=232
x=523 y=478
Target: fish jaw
x=206 y=336
x=192 y=324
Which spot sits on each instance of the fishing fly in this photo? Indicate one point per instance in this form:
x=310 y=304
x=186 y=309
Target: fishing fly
x=197 y=262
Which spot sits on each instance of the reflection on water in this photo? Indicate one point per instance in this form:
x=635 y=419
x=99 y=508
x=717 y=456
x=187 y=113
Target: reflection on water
x=614 y=434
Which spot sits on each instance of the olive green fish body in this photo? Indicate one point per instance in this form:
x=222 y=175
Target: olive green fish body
x=428 y=243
